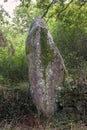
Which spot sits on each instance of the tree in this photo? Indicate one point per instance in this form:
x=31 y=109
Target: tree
x=4 y=16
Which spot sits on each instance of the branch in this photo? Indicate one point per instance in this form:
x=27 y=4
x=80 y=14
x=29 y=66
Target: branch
x=60 y=11
x=82 y=4
x=65 y=8
x=48 y=7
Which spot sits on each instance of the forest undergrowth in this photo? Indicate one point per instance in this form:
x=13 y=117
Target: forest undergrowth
x=18 y=112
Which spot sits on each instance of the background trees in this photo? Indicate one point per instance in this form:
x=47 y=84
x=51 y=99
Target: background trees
x=67 y=22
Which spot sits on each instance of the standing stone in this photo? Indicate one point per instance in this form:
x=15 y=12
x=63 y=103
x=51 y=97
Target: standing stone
x=45 y=65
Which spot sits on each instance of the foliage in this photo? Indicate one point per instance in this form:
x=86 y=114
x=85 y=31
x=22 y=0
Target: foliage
x=4 y=16
x=12 y=57
x=24 y=16
x=70 y=35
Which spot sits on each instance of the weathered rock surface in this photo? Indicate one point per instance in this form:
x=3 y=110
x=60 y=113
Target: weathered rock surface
x=46 y=67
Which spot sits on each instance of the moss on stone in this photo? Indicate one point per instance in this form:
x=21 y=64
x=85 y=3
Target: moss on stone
x=45 y=104
x=28 y=49
x=44 y=75
x=47 y=54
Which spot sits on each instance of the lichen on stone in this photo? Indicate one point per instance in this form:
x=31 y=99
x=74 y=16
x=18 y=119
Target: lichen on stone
x=30 y=39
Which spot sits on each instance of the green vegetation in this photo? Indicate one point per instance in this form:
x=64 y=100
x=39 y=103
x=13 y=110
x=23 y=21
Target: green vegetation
x=67 y=21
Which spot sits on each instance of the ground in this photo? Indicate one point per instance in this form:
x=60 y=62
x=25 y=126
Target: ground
x=18 y=113
x=33 y=123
